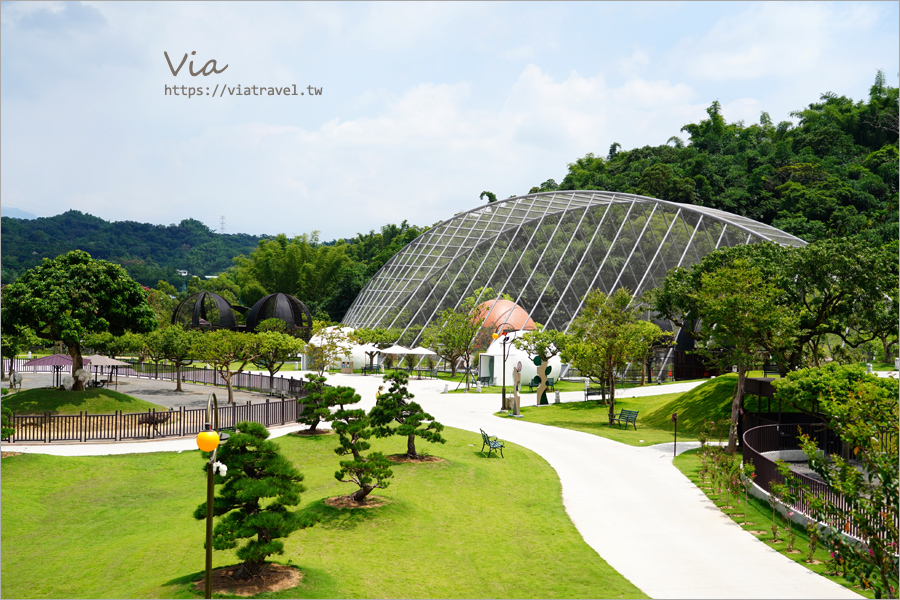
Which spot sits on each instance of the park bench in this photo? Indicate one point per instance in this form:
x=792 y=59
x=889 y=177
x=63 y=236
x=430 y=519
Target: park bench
x=485 y=381
x=626 y=416
x=371 y=369
x=599 y=393
x=491 y=442
x=550 y=383
x=771 y=370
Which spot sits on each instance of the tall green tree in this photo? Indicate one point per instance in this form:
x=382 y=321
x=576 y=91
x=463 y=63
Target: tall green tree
x=457 y=333
x=258 y=487
x=380 y=337
x=275 y=349
x=830 y=287
x=177 y=346
x=302 y=267
x=73 y=295
x=600 y=338
x=740 y=317
x=396 y=407
x=226 y=351
x=327 y=344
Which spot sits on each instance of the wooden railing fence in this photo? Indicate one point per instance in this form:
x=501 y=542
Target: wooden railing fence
x=48 y=428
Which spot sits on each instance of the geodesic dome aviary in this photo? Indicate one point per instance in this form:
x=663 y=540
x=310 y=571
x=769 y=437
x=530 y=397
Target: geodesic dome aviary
x=547 y=251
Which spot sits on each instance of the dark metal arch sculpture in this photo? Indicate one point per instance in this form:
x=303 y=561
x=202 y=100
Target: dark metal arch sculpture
x=285 y=307
x=204 y=309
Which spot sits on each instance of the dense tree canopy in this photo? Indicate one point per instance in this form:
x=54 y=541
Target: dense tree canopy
x=148 y=252
x=73 y=295
x=832 y=287
x=832 y=174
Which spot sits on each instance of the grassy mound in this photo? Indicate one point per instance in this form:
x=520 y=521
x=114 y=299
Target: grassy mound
x=467 y=526
x=95 y=401
x=710 y=400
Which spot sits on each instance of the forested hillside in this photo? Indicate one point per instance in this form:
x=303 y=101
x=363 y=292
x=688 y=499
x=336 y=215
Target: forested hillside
x=832 y=174
x=148 y=252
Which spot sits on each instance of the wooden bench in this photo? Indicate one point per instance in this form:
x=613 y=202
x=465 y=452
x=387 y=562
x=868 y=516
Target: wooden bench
x=771 y=370
x=491 y=442
x=626 y=416
x=485 y=381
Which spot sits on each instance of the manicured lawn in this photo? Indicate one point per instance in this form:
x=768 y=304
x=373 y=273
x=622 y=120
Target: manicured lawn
x=121 y=526
x=759 y=523
x=654 y=422
x=94 y=401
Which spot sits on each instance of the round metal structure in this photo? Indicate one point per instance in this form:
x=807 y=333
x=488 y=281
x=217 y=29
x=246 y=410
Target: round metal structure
x=204 y=309
x=547 y=251
x=281 y=306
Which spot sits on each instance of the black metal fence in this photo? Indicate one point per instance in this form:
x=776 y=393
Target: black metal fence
x=785 y=437
x=150 y=425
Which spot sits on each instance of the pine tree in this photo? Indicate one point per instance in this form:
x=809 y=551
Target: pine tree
x=317 y=403
x=256 y=471
x=370 y=471
x=396 y=406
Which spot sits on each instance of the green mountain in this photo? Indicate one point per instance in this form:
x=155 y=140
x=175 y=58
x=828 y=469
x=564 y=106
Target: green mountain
x=148 y=252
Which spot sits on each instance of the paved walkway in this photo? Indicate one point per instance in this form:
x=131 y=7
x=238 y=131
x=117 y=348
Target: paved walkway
x=631 y=505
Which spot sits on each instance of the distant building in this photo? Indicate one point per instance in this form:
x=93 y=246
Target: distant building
x=181 y=272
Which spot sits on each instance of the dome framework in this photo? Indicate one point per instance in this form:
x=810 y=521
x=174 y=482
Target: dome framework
x=546 y=251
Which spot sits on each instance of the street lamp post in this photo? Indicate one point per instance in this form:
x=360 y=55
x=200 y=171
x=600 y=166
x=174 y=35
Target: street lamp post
x=504 y=406
x=208 y=440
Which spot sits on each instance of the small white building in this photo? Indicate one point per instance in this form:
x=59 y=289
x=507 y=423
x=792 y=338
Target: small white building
x=490 y=363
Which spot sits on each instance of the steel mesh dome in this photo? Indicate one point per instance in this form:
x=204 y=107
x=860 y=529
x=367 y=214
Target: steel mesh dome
x=204 y=309
x=547 y=251
x=281 y=306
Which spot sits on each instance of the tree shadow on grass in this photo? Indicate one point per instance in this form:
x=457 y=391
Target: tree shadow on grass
x=341 y=519
x=316 y=583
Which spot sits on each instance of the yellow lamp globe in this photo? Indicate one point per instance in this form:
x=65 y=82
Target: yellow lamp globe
x=207 y=440
x=495 y=335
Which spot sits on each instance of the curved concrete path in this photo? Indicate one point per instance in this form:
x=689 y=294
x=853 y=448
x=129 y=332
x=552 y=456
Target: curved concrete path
x=631 y=505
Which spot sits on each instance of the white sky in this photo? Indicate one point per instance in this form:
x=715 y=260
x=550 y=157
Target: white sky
x=423 y=106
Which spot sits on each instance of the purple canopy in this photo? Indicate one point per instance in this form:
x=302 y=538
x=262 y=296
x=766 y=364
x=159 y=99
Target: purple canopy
x=54 y=360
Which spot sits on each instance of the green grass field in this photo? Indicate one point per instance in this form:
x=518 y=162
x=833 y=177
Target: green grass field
x=121 y=526
x=94 y=401
x=654 y=422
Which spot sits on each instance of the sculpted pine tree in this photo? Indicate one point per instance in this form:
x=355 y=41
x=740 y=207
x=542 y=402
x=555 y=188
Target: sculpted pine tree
x=370 y=471
x=396 y=406
x=258 y=487
x=317 y=403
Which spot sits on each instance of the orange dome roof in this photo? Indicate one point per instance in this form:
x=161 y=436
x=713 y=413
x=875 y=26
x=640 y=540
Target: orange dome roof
x=505 y=315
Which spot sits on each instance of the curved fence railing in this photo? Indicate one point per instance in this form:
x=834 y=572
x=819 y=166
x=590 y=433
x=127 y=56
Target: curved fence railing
x=118 y=427
x=254 y=382
x=762 y=446
x=47 y=428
